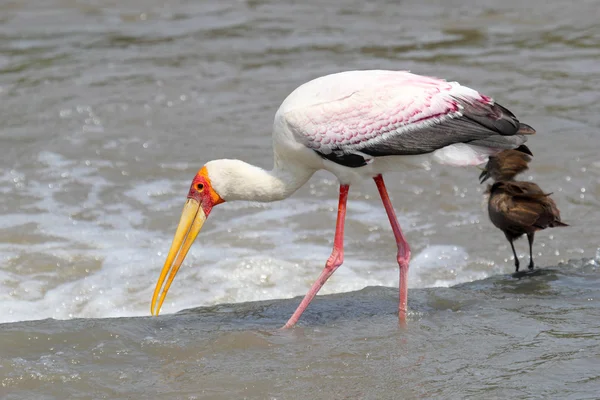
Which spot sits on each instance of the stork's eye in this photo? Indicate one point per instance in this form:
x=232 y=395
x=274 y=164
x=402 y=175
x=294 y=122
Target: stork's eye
x=200 y=187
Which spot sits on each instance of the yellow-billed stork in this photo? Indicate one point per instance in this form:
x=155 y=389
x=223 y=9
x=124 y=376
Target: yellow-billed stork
x=357 y=125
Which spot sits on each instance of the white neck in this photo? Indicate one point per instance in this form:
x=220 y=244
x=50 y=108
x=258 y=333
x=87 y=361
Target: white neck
x=238 y=180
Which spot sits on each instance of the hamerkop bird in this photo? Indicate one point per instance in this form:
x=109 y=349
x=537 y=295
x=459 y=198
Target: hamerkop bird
x=518 y=208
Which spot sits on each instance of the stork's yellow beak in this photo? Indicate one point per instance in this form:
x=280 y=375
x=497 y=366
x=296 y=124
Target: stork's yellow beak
x=192 y=219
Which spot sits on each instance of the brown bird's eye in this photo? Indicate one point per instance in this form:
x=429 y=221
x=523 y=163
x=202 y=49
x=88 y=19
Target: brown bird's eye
x=200 y=186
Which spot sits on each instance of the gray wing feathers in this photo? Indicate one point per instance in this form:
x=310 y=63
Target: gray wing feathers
x=489 y=125
x=494 y=117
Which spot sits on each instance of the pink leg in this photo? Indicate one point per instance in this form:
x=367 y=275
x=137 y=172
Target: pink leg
x=335 y=260
x=403 y=248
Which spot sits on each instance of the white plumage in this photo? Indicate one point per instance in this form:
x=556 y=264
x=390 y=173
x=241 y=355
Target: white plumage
x=355 y=108
x=357 y=125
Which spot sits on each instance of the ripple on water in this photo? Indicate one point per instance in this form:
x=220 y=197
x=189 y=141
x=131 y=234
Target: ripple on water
x=108 y=111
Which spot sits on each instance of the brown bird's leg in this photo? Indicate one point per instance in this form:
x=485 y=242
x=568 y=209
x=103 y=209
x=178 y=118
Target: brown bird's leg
x=510 y=240
x=335 y=260
x=530 y=239
x=403 y=256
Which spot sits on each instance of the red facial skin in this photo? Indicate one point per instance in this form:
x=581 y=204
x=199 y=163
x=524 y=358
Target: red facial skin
x=201 y=190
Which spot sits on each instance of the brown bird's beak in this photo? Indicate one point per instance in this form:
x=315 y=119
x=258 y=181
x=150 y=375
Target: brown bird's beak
x=485 y=174
x=192 y=219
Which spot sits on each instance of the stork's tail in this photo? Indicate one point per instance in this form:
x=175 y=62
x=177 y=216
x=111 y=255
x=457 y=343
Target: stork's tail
x=525 y=129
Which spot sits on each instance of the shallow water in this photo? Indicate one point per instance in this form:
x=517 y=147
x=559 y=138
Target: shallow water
x=495 y=338
x=108 y=110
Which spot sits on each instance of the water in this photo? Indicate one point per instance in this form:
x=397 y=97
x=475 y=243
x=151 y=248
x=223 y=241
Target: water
x=494 y=338
x=109 y=109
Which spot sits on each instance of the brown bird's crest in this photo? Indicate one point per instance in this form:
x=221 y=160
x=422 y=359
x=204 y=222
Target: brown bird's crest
x=507 y=164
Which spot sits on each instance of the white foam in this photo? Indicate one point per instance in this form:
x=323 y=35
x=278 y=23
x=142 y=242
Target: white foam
x=106 y=262
x=442 y=266
x=462 y=155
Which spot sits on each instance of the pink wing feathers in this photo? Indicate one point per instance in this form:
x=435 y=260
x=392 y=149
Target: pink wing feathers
x=368 y=108
x=393 y=113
